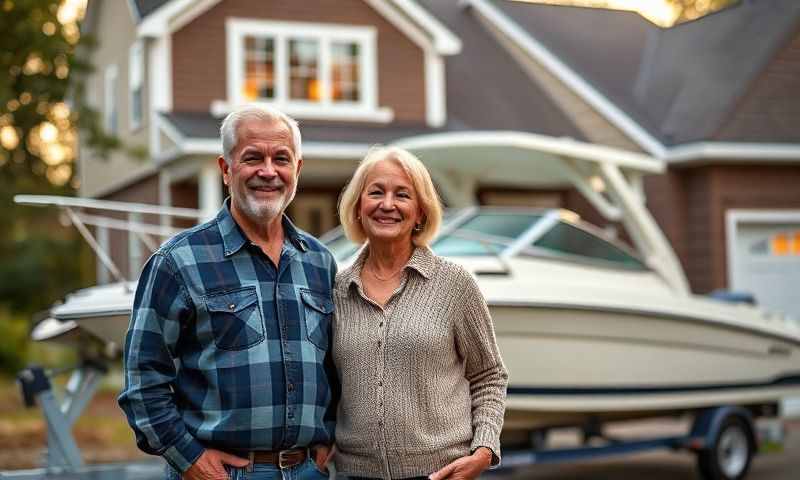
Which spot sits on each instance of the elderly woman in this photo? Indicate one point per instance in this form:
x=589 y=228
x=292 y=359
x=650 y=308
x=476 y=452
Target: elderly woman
x=423 y=384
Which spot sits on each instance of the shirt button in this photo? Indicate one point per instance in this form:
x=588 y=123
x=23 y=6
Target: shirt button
x=380 y=384
x=232 y=306
x=379 y=343
x=290 y=387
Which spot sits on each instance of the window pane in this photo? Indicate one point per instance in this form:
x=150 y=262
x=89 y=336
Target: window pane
x=304 y=81
x=566 y=238
x=259 y=82
x=345 y=74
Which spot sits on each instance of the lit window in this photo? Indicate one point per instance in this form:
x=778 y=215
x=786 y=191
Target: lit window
x=259 y=68
x=304 y=81
x=308 y=70
x=344 y=74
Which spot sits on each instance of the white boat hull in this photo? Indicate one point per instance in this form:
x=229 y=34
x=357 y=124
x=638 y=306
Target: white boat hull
x=568 y=365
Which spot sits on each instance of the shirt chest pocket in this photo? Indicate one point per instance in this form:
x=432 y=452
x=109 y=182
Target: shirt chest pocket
x=317 y=310
x=235 y=318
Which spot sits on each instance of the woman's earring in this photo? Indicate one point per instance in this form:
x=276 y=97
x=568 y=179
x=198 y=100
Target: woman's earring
x=418 y=227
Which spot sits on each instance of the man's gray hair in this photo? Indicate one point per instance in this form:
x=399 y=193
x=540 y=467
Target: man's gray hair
x=229 y=129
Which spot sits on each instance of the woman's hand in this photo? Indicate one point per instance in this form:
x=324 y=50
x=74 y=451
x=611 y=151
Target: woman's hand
x=465 y=468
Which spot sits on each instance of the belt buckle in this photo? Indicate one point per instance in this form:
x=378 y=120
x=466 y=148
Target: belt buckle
x=283 y=457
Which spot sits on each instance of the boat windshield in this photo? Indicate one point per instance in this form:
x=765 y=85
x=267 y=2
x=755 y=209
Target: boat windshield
x=485 y=233
x=571 y=242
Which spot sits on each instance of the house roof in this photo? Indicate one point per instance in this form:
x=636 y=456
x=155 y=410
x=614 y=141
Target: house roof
x=680 y=84
x=487 y=89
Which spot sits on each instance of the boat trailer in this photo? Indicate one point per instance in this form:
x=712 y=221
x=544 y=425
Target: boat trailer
x=725 y=439
x=62 y=458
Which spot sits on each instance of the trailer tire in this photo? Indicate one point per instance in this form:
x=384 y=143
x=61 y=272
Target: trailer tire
x=730 y=454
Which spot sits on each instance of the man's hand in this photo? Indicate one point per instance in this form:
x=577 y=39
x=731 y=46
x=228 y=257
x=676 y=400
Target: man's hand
x=211 y=465
x=323 y=455
x=465 y=468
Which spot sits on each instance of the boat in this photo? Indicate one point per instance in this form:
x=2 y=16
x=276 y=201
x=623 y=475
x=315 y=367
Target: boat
x=589 y=333
x=590 y=327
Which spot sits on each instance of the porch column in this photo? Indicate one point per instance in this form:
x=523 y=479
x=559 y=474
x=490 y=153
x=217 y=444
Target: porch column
x=210 y=190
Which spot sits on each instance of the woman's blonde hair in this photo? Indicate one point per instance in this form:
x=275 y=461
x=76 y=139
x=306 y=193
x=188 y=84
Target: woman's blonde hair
x=421 y=180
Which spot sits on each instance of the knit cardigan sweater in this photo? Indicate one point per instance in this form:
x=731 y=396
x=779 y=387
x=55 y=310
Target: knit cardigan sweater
x=422 y=379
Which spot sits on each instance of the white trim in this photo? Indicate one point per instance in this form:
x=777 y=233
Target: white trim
x=435 y=98
x=569 y=77
x=735 y=216
x=445 y=41
x=694 y=152
x=209 y=191
x=174 y=15
x=413 y=32
x=159 y=77
x=135 y=260
x=110 y=101
x=165 y=19
x=211 y=146
x=220 y=108
x=136 y=63
x=282 y=32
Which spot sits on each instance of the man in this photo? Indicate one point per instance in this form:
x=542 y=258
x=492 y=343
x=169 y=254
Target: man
x=227 y=360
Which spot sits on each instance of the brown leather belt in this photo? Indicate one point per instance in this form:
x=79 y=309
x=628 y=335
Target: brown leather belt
x=282 y=458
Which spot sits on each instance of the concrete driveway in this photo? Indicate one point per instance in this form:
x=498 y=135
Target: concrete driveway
x=664 y=465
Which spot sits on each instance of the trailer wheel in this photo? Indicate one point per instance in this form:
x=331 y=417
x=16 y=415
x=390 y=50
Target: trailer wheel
x=729 y=457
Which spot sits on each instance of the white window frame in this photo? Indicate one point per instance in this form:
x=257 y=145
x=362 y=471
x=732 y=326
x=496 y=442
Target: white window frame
x=110 y=104
x=136 y=65
x=364 y=36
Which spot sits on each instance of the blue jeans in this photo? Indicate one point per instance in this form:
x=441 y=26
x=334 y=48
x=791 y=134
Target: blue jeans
x=264 y=471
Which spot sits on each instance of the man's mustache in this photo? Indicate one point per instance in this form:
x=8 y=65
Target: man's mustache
x=260 y=183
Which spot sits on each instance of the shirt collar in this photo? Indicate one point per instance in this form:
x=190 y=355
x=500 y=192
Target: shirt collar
x=422 y=261
x=233 y=238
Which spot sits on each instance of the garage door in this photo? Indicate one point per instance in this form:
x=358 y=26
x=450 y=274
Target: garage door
x=764 y=257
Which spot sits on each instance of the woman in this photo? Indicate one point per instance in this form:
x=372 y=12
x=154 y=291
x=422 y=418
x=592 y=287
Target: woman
x=423 y=384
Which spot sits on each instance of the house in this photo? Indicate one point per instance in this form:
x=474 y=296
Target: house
x=715 y=100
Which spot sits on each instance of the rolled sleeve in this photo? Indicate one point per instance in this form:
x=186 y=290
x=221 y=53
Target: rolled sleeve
x=160 y=306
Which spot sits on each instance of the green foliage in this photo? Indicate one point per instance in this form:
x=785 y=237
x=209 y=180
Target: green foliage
x=42 y=64
x=13 y=342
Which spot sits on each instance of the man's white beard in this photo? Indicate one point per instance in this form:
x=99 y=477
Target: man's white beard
x=261 y=210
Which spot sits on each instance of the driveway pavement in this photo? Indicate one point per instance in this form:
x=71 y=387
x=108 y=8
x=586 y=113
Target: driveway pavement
x=662 y=465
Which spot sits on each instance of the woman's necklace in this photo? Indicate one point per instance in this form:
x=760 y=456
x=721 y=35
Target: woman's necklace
x=372 y=272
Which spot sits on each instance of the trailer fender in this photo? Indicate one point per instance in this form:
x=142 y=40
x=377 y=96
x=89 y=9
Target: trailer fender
x=708 y=422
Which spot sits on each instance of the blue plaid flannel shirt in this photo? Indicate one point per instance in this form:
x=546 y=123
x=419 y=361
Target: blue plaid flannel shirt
x=226 y=351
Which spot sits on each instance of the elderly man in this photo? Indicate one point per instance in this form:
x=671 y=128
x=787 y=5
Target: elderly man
x=227 y=362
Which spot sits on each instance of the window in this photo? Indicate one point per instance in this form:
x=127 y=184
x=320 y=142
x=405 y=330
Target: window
x=110 y=100
x=566 y=239
x=135 y=84
x=322 y=70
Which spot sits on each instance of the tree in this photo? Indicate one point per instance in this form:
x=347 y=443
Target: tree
x=41 y=107
x=686 y=10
